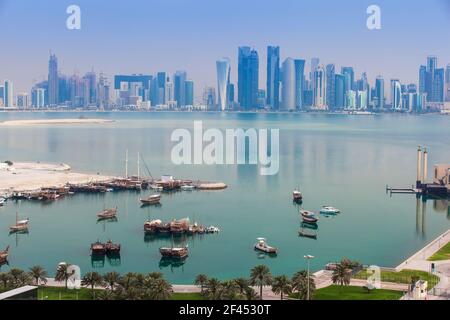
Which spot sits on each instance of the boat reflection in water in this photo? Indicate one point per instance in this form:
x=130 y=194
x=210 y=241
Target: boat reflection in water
x=308 y=230
x=98 y=260
x=172 y=263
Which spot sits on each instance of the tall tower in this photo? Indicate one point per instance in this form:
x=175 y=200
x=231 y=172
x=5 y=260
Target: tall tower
x=273 y=77
x=330 y=75
x=53 y=82
x=288 y=85
x=223 y=80
x=320 y=89
x=248 y=78
x=396 y=94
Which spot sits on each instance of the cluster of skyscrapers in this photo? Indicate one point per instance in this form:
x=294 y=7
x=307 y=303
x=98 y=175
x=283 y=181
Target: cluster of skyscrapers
x=288 y=88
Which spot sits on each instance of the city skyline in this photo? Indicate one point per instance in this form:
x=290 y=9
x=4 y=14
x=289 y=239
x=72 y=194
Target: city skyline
x=105 y=43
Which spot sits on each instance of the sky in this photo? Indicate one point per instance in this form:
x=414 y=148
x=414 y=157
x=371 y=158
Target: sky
x=146 y=36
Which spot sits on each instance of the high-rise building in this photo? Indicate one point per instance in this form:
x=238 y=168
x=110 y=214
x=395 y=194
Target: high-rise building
x=273 y=77
x=349 y=78
x=22 y=100
x=248 y=77
x=91 y=88
x=379 y=94
x=230 y=93
x=339 y=91
x=350 y=98
x=103 y=91
x=223 y=80
x=209 y=98
x=320 y=86
x=330 y=75
x=8 y=95
x=53 y=81
x=314 y=64
x=288 y=85
x=179 y=80
x=299 y=83
x=2 y=95
x=434 y=80
x=447 y=83
x=422 y=79
x=396 y=95
x=439 y=85
x=189 y=91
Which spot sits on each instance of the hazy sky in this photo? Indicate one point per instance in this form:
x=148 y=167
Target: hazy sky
x=146 y=36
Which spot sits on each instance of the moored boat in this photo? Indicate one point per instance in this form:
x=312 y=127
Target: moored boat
x=153 y=199
x=329 y=210
x=306 y=234
x=187 y=187
x=2 y=202
x=4 y=255
x=174 y=253
x=112 y=248
x=308 y=214
x=297 y=196
x=261 y=245
x=107 y=214
x=20 y=226
x=98 y=248
x=310 y=219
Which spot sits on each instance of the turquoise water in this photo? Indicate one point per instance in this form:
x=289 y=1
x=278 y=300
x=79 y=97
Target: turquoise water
x=340 y=160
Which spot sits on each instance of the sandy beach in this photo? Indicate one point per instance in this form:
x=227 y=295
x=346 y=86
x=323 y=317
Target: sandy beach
x=54 y=122
x=29 y=176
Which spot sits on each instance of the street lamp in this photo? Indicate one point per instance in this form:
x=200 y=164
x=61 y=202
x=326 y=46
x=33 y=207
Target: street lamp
x=308 y=257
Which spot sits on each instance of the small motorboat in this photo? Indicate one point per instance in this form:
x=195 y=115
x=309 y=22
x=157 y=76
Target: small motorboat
x=297 y=196
x=153 y=199
x=174 y=253
x=187 y=187
x=329 y=210
x=261 y=245
x=4 y=255
x=212 y=229
x=305 y=234
x=308 y=214
x=107 y=214
x=310 y=219
x=2 y=202
x=156 y=187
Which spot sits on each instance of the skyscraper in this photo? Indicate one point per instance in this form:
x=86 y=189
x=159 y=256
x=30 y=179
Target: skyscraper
x=248 y=77
x=314 y=64
x=2 y=95
x=439 y=85
x=339 y=91
x=179 y=80
x=379 y=93
x=53 y=81
x=330 y=74
x=223 y=80
x=299 y=83
x=349 y=78
x=447 y=83
x=209 y=98
x=422 y=79
x=396 y=94
x=320 y=89
x=189 y=91
x=8 y=95
x=273 y=77
x=288 y=101
x=90 y=79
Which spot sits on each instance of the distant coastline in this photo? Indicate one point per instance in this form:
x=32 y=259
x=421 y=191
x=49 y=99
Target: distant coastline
x=14 y=123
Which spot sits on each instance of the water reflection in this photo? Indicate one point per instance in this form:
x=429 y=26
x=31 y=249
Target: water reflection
x=172 y=263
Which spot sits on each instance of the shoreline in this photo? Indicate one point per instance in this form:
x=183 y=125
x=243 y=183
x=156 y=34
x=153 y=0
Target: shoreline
x=16 y=123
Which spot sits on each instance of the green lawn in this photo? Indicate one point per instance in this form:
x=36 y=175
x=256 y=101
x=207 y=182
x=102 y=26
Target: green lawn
x=404 y=276
x=335 y=292
x=53 y=293
x=442 y=254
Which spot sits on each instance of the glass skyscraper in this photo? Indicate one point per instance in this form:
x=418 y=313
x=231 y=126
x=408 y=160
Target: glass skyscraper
x=179 y=79
x=189 y=91
x=396 y=94
x=379 y=93
x=273 y=77
x=53 y=81
x=288 y=85
x=330 y=74
x=248 y=78
x=223 y=80
x=339 y=91
x=299 y=83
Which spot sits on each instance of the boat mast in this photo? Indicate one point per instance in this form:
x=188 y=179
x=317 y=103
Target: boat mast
x=138 y=169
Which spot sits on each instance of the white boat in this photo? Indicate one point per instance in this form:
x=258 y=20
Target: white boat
x=261 y=245
x=153 y=199
x=329 y=210
x=212 y=229
x=2 y=202
x=187 y=187
x=156 y=187
x=297 y=196
x=307 y=214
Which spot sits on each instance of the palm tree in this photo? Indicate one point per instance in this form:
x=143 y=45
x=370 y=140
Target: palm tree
x=111 y=279
x=19 y=277
x=300 y=285
x=160 y=290
x=155 y=275
x=92 y=279
x=5 y=279
x=250 y=294
x=63 y=273
x=128 y=280
x=201 y=280
x=39 y=274
x=342 y=274
x=242 y=284
x=260 y=276
x=213 y=289
x=281 y=285
x=230 y=290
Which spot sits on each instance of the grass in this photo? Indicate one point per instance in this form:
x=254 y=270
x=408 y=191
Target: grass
x=442 y=254
x=335 y=292
x=57 y=293
x=404 y=276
